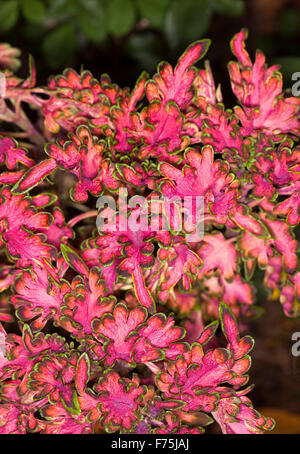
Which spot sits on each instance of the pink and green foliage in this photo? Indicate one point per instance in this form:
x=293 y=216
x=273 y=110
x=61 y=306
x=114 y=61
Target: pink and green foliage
x=138 y=310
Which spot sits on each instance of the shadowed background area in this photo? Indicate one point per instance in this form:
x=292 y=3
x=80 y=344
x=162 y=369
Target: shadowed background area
x=124 y=37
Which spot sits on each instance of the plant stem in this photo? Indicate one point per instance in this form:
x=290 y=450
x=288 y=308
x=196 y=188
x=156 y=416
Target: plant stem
x=80 y=217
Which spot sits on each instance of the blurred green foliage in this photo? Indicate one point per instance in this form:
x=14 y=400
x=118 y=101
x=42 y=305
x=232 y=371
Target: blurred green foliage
x=283 y=43
x=62 y=27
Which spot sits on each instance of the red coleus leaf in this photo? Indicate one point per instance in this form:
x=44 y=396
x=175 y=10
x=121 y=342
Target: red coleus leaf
x=9 y=420
x=183 y=264
x=39 y=295
x=118 y=332
x=157 y=338
x=202 y=177
x=87 y=300
x=77 y=98
x=262 y=249
x=260 y=92
x=193 y=378
x=239 y=347
x=82 y=156
x=236 y=415
x=10 y=154
x=19 y=220
x=51 y=376
x=120 y=400
x=23 y=352
x=127 y=248
x=175 y=85
x=159 y=127
x=290 y=208
x=60 y=421
x=219 y=254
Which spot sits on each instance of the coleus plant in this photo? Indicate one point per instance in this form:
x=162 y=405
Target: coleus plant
x=118 y=329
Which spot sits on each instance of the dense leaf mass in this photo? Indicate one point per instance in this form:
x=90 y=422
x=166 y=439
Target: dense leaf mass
x=115 y=329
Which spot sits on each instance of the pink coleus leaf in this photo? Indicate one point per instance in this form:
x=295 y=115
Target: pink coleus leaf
x=9 y=419
x=51 y=377
x=278 y=168
x=23 y=352
x=205 y=87
x=82 y=156
x=202 y=177
x=255 y=247
x=138 y=174
x=121 y=116
x=60 y=421
x=86 y=300
x=78 y=98
x=236 y=415
x=58 y=232
x=159 y=126
x=239 y=347
x=193 y=377
x=157 y=338
x=183 y=264
x=9 y=57
x=219 y=254
x=219 y=128
x=175 y=85
x=262 y=249
x=208 y=333
x=289 y=300
x=128 y=248
x=34 y=176
x=118 y=332
x=73 y=259
x=290 y=208
x=160 y=129
x=120 y=400
x=236 y=292
x=10 y=154
x=260 y=92
x=38 y=296
x=248 y=221
x=82 y=373
x=19 y=220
